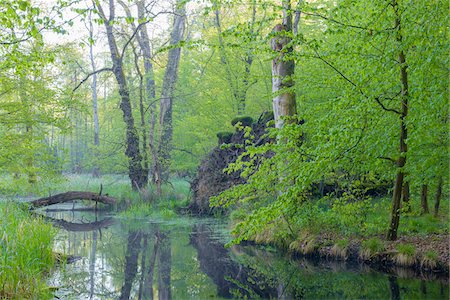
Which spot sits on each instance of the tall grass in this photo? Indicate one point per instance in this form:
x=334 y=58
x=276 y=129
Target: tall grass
x=25 y=253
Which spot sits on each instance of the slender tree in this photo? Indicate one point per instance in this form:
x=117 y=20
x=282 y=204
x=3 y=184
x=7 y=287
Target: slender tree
x=168 y=93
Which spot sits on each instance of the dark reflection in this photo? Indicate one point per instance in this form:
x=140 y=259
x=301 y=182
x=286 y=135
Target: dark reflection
x=131 y=262
x=395 y=290
x=231 y=278
x=164 y=265
x=79 y=226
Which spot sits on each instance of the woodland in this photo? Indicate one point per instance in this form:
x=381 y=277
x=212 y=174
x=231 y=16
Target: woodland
x=304 y=123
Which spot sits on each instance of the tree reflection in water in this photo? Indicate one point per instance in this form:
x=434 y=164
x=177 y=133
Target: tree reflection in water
x=136 y=259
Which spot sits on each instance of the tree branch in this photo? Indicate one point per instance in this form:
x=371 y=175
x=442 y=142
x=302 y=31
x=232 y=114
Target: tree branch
x=377 y=99
x=89 y=75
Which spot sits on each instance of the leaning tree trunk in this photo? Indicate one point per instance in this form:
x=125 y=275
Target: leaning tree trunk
x=401 y=162
x=167 y=95
x=284 y=103
x=136 y=171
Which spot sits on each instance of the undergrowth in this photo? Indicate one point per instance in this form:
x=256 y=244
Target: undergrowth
x=25 y=253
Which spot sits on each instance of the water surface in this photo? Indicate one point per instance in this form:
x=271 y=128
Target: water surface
x=186 y=259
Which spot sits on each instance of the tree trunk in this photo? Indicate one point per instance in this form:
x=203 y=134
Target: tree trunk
x=73 y=195
x=424 y=200
x=437 y=199
x=396 y=198
x=167 y=95
x=284 y=103
x=136 y=171
x=405 y=196
x=95 y=169
x=144 y=43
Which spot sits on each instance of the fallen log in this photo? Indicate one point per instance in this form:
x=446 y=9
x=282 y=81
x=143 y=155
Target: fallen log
x=70 y=196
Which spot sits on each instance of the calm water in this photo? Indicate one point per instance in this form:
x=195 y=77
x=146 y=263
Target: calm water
x=186 y=259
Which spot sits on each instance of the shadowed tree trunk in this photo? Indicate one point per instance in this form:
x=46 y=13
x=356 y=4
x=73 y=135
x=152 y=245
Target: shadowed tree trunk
x=424 y=199
x=167 y=94
x=437 y=199
x=136 y=170
x=405 y=196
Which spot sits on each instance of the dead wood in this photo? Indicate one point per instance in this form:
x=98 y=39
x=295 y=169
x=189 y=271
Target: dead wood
x=70 y=196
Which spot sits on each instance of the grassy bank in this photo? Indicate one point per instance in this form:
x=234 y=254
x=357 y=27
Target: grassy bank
x=25 y=253
x=356 y=230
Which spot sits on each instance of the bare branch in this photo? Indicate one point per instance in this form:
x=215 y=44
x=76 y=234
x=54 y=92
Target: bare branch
x=89 y=75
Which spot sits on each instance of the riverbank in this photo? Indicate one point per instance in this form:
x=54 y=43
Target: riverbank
x=26 y=253
x=423 y=254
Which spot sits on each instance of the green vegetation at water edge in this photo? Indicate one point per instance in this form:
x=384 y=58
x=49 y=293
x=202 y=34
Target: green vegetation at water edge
x=25 y=253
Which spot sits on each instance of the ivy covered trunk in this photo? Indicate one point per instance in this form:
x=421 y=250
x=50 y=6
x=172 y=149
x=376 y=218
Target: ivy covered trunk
x=137 y=173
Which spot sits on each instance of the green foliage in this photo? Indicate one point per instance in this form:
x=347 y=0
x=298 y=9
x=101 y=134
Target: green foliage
x=348 y=89
x=25 y=253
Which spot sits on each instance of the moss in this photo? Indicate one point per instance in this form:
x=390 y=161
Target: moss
x=341 y=249
x=244 y=120
x=371 y=248
x=224 y=137
x=406 y=255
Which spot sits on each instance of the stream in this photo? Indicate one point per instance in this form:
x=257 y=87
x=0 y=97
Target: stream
x=185 y=258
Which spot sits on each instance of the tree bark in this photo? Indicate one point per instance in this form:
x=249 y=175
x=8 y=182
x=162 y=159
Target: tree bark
x=167 y=95
x=437 y=199
x=401 y=162
x=284 y=102
x=424 y=199
x=73 y=195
